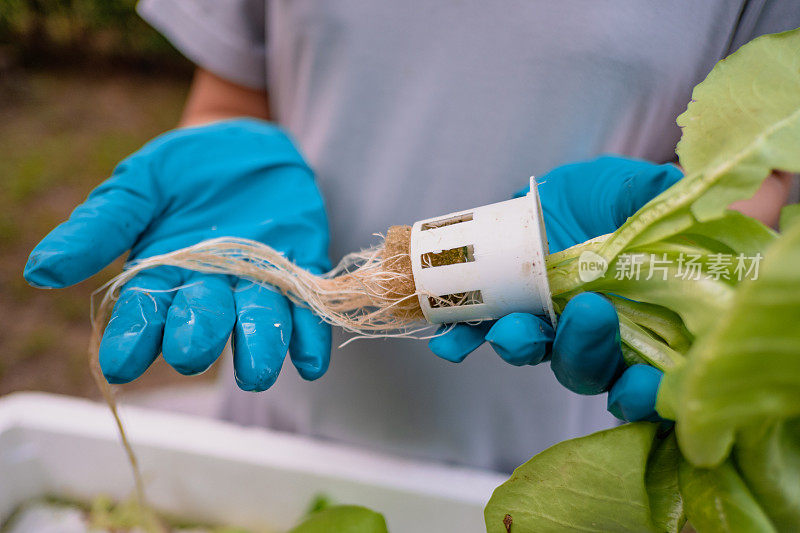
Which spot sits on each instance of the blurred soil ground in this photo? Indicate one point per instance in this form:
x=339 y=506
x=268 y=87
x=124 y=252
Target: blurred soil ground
x=61 y=133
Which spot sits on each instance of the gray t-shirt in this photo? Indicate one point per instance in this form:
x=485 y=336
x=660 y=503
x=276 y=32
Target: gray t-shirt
x=415 y=108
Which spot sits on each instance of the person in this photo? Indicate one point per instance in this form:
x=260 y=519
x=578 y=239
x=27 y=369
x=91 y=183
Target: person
x=404 y=111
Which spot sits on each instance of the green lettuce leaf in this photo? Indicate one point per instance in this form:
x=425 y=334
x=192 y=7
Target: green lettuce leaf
x=768 y=457
x=790 y=214
x=343 y=519
x=698 y=301
x=601 y=482
x=666 y=324
x=646 y=346
x=732 y=233
x=747 y=367
x=717 y=500
x=663 y=489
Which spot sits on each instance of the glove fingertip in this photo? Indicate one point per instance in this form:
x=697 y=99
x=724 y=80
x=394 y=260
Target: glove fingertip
x=256 y=381
x=312 y=371
x=310 y=345
x=39 y=271
x=124 y=356
x=633 y=396
x=520 y=338
x=593 y=307
x=586 y=351
x=261 y=336
x=98 y=231
x=256 y=365
x=199 y=322
x=113 y=366
x=133 y=337
x=455 y=344
x=445 y=350
x=256 y=373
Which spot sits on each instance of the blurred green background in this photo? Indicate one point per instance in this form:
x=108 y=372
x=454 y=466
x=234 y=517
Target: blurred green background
x=46 y=32
x=83 y=83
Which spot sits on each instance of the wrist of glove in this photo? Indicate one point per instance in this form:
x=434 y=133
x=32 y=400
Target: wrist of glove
x=240 y=178
x=579 y=201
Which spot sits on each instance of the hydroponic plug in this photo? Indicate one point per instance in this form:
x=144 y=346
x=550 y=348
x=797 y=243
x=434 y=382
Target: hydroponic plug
x=482 y=263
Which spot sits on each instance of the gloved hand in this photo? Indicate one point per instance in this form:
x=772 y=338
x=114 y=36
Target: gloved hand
x=241 y=178
x=579 y=201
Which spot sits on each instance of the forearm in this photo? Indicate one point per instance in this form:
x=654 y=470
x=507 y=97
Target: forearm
x=212 y=98
x=766 y=203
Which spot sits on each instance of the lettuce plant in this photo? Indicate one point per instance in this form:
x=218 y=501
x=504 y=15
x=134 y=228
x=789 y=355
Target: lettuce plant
x=729 y=344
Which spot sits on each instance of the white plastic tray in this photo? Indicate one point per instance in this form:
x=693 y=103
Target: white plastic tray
x=216 y=472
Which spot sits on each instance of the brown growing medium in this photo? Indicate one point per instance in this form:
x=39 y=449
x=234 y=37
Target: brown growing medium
x=446 y=257
x=397 y=259
x=396 y=248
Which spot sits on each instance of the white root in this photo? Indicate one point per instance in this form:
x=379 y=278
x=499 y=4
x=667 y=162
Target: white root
x=368 y=293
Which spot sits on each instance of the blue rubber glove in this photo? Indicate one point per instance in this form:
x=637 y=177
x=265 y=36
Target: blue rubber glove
x=579 y=201
x=241 y=178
